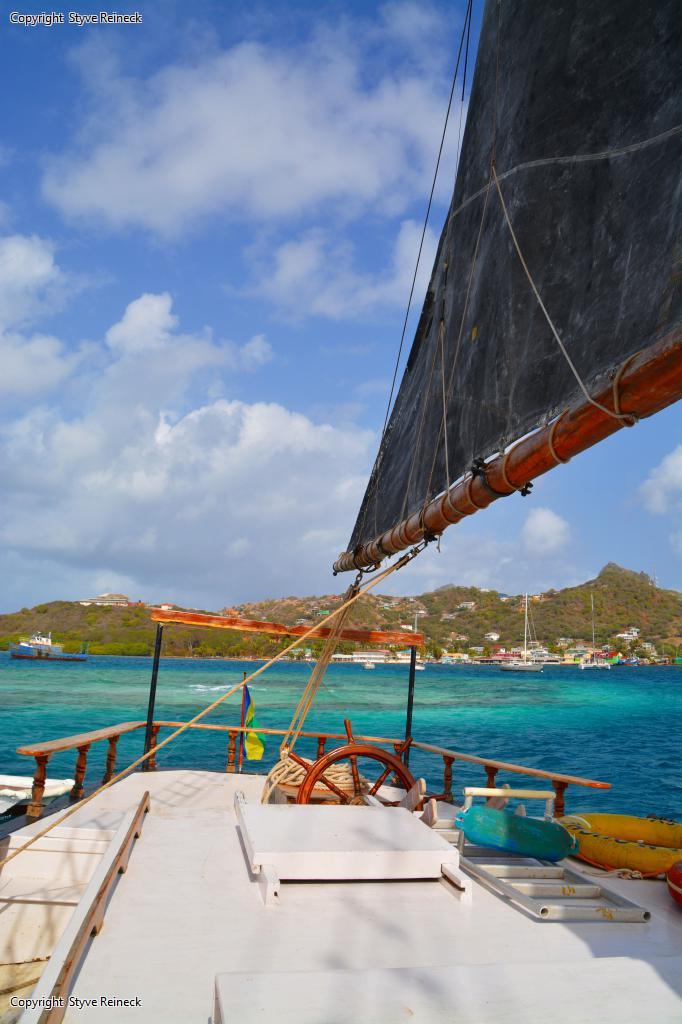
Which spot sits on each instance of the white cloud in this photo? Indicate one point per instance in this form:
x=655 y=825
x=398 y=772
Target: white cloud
x=255 y=131
x=664 y=484
x=30 y=280
x=661 y=492
x=544 y=532
x=32 y=364
x=316 y=275
x=174 y=502
x=146 y=325
x=31 y=283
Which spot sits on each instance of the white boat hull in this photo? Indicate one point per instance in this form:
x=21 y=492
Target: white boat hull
x=523 y=666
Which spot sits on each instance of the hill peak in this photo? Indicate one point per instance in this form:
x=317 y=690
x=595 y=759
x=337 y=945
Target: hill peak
x=612 y=569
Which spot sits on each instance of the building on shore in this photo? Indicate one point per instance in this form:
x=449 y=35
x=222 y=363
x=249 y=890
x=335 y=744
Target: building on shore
x=117 y=600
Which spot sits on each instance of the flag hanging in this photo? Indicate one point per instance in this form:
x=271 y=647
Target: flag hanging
x=253 y=742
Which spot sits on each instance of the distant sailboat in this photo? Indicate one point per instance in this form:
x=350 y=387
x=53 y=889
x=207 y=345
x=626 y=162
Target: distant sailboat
x=592 y=662
x=526 y=663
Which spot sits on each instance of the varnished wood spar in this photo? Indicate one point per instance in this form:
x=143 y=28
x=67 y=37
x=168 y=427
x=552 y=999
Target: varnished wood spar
x=647 y=383
x=364 y=636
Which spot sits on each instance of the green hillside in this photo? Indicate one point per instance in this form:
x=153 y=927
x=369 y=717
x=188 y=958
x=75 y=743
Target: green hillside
x=622 y=598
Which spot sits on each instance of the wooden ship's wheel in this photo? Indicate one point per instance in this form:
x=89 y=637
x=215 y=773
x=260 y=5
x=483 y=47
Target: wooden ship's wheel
x=316 y=777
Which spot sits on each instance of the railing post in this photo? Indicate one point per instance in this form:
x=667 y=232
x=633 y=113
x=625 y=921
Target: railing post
x=36 y=805
x=111 y=758
x=559 y=789
x=231 y=749
x=447 y=777
x=152 y=694
x=81 y=766
x=321 y=740
x=490 y=774
x=151 y=763
x=410 y=702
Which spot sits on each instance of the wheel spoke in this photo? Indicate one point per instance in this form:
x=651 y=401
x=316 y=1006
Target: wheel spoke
x=380 y=781
x=343 y=797
x=357 y=785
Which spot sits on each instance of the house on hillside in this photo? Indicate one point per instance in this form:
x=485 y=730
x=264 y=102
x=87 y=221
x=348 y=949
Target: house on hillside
x=493 y=636
x=630 y=634
x=116 y=600
x=466 y=606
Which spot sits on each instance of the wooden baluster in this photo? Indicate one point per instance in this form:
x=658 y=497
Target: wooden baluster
x=447 y=777
x=231 y=749
x=321 y=740
x=81 y=765
x=111 y=759
x=559 y=789
x=490 y=774
x=151 y=763
x=36 y=805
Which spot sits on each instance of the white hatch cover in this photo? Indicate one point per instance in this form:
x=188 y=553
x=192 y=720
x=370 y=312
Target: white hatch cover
x=316 y=843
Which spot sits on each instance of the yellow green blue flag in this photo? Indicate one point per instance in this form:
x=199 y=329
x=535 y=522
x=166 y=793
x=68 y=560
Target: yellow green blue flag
x=254 y=743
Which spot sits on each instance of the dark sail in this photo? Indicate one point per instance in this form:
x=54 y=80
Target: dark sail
x=577 y=107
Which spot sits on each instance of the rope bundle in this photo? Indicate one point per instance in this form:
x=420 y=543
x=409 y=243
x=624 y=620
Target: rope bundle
x=289 y=773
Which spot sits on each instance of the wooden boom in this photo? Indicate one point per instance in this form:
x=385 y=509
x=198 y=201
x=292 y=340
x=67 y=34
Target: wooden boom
x=363 y=636
x=643 y=385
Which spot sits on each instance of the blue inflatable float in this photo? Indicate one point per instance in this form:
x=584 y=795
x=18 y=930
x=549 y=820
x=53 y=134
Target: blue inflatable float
x=527 y=837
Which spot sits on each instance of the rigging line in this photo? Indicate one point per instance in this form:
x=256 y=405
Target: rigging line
x=576 y=158
x=441 y=333
x=428 y=211
x=461 y=105
x=628 y=419
x=465 y=26
x=415 y=447
x=451 y=381
x=402 y=561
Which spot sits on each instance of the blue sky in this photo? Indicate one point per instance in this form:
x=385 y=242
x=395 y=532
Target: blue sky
x=208 y=225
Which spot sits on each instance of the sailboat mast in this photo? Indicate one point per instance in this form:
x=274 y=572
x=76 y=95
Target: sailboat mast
x=592 y=603
x=525 y=633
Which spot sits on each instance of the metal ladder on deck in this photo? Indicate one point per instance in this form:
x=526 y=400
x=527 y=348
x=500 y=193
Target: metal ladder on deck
x=548 y=892
x=544 y=890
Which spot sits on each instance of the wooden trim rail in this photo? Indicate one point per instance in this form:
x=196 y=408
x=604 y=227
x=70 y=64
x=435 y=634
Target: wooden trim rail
x=42 y=752
x=559 y=781
x=82 y=742
x=87 y=920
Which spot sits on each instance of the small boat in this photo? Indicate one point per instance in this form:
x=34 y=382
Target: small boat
x=17 y=789
x=41 y=647
x=648 y=845
x=526 y=663
x=368 y=664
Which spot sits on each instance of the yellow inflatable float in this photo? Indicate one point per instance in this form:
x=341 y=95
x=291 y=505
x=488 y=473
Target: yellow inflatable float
x=648 y=845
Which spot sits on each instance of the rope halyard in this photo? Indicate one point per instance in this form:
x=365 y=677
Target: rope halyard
x=626 y=418
x=307 y=697
x=404 y=560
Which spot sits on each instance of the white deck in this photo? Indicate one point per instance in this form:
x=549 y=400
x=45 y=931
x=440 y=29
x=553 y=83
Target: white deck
x=188 y=910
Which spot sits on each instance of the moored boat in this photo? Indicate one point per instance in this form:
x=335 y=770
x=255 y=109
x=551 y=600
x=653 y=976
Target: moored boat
x=41 y=647
x=526 y=663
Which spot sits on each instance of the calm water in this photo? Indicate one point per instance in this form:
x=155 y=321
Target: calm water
x=622 y=726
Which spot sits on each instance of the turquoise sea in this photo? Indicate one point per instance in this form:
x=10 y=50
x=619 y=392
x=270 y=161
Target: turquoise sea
x=622 y=726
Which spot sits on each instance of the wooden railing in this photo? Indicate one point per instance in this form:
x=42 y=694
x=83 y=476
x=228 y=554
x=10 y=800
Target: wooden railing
x=81 y=743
